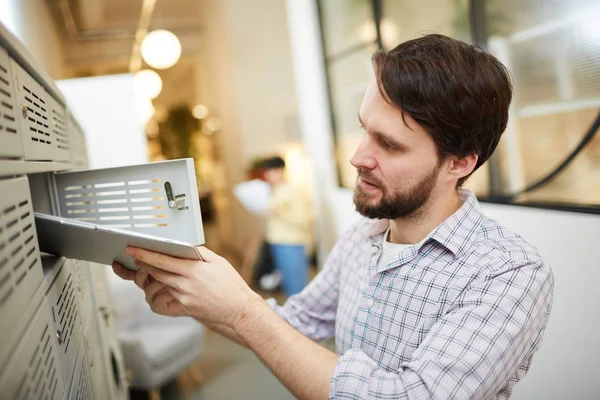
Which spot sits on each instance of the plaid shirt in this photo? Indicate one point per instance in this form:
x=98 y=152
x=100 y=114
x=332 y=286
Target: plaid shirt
x=457 y=316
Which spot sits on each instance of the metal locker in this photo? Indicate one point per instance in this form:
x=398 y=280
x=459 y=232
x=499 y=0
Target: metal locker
x=159 y=199
x=81 y=385
x=77 y=141
x=108 y=344
x=10 y=134
x=33 y=371
x=98 y=378
x=33 y=115
x=84 y=289
x=63 y=299
x=20 y=265
x=59 y=129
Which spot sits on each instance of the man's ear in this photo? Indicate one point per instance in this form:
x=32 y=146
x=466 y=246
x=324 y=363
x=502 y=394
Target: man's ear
x=462 y=166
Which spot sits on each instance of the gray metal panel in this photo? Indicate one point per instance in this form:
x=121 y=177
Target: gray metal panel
x=93 y=349
x=33 y=116
x=60 y=130
x=111 y=357
x=80 y=387
x=62 y=297
x=134 y=198
x=84 y=289
x=33 y=371
x=79 y=158
x=85 y=241
x=20 y=265
x=10 y=135
x=20 y=167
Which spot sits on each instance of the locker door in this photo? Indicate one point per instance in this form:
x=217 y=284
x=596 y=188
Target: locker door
x=159 y=199
x=20 y=264
x=10 y=134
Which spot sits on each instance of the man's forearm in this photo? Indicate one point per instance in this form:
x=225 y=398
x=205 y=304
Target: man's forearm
x=225 y=331
x=304 y=367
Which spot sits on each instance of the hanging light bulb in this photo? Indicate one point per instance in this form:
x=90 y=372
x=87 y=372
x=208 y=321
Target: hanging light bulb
x=199 y=111
x=148 y=83
x=161 y=49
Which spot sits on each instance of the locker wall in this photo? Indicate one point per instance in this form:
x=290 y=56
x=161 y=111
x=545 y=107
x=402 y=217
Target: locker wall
x=58 y=338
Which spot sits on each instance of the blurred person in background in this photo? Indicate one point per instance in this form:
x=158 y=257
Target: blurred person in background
x=288 y=230
x=426 y=296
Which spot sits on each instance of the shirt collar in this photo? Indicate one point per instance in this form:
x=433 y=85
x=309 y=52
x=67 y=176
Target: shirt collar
x=456 y=233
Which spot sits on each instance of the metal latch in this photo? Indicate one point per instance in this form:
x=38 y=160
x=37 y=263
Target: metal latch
x=178 y=202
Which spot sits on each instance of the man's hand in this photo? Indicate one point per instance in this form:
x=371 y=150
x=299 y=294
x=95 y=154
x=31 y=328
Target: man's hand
x=211 y=291
x=159 y=298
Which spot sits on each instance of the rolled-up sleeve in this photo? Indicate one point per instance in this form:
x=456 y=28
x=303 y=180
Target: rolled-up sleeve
x=489 y=331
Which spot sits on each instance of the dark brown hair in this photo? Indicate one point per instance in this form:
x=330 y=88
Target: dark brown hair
x=457 y=92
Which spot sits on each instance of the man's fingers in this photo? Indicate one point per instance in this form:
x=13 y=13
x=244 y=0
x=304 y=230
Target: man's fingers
x=164 y=303
x=161 y=261
x=153 y=289
x=141 y=279
x=123 y=272
x=173 y=280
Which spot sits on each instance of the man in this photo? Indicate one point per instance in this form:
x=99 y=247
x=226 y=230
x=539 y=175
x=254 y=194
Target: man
x=288 y=228
x=426 y=297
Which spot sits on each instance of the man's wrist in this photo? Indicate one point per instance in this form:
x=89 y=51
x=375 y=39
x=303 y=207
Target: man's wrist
x=254 y=308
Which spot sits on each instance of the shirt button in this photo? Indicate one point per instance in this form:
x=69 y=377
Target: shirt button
x=374 y=249
x=370 y=303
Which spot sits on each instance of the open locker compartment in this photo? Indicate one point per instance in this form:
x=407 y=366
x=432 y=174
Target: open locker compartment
x=159 y=199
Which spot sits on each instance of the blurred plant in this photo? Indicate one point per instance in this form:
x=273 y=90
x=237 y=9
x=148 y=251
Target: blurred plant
x=176 y=133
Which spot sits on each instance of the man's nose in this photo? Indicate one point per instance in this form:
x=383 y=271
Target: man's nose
x=363 y=156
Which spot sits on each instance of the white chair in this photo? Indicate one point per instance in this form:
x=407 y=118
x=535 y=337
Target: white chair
x=156 y=348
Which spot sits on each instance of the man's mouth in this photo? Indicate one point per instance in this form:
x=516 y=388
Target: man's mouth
x=367 y=184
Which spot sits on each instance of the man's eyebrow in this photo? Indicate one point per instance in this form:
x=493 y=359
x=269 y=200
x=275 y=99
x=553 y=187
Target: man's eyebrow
x=382 y=136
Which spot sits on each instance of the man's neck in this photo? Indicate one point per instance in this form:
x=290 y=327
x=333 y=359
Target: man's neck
x=413 y=229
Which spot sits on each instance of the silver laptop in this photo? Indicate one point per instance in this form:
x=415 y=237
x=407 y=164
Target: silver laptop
x=96 y=243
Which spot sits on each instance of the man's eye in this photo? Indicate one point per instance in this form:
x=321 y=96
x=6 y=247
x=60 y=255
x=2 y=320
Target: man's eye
x=387 y=145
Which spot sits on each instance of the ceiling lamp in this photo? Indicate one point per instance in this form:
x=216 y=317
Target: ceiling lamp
x=148 y=83
x=200 y=111
x=161 y=49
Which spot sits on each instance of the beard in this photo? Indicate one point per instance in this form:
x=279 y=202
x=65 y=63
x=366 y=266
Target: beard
x=393 y=205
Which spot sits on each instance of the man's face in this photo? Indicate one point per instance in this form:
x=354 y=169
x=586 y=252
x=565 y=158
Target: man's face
x=398 y=166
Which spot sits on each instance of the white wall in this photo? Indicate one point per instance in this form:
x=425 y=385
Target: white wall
x=32 y=22
x=105 y=107
x=244 y=76
x=566 y=367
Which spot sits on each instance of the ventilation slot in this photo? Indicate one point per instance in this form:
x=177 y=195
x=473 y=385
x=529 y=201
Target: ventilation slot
x=18 y=249
x=40 y=379
x=59 y=128
x=8 y=112
x=36 y=114
x=126 y=204
x=67 y=315
x=84 y=384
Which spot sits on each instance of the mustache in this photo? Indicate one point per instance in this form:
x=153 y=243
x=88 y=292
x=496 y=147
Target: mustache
x=369 y=177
